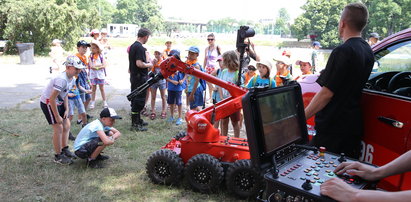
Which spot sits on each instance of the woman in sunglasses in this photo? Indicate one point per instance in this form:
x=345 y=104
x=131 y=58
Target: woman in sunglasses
x=210 y=60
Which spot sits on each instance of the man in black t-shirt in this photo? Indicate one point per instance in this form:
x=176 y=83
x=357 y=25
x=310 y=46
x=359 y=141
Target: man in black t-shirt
x=138 y=68
x=338 y=120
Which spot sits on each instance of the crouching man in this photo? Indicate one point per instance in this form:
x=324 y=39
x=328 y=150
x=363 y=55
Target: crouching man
x=95 y=137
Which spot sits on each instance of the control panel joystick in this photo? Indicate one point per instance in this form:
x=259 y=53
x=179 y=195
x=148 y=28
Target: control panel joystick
x=342 y=158
x=307 y=185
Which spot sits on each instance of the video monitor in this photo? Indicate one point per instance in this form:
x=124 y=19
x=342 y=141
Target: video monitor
x=274 y=119
x=279 y=120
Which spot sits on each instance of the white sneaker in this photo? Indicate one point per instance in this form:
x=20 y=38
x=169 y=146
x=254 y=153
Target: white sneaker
x=91 y=106
x=105 y=105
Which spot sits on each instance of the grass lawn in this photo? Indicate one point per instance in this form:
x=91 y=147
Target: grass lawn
x=28 y=172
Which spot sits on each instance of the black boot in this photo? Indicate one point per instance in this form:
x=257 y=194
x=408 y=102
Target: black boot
x=137 y=122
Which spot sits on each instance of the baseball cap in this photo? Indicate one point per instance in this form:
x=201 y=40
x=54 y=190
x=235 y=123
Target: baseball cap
x=95 y=31
x=109 y=112
x=375 y=35
x=220 y=58
x=74 y=61
x=316 y=43
x=194 y=49
x=266 y=63
x=174 y=52
x=83 y=43
x=303 y=59
x=286 y=53
x=283 y=59
x=251 y=67
x=98 y=44
x=104 y=30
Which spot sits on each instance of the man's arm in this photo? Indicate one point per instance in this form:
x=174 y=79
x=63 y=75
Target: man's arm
x=320 y=100
x=141 y=64
x=341 y=191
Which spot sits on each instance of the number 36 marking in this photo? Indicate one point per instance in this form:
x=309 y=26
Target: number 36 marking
x=366 y=152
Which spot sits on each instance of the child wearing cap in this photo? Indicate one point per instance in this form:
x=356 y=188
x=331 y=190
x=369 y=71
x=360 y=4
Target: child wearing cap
x=57 y=55
x=283 y=72
x=305 y=67
x=97 y=72
x=314 y=55
x=251 y=72
x=75 y=101
x=54 y=104
x=161 y=85
x=82 y=81
x=230 y=74
x=217 y=94
x=264 y=68
x=166 y=51
x=95 y=137
x=95 y=33
x=195 y=88
x=104 y=43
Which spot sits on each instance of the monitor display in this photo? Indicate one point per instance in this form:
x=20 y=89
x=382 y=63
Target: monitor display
x=279 y=115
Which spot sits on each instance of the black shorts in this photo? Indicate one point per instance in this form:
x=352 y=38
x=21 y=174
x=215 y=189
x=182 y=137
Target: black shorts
x=49 y=114
x=87 y=149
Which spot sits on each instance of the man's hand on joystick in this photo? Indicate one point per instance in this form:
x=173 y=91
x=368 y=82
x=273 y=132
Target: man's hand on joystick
x=361 y=170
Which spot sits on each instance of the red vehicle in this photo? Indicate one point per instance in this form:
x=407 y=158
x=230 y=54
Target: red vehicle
x=386 y=105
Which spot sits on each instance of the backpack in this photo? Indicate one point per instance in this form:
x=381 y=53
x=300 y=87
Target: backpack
x=254 y=80
x=203 y=84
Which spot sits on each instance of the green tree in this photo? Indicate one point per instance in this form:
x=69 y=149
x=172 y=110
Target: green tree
x=145 y=13
x=149 y=16
x=320 y=18
x=41 y=21
x=388 y=16
x=126 y=12
x=282 y=23
x=99 y=12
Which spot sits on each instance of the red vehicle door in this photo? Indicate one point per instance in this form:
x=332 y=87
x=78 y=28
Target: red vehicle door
x=386 y=104
x=384 y=139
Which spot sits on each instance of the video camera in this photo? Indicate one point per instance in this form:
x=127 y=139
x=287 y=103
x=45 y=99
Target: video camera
x=242 y=33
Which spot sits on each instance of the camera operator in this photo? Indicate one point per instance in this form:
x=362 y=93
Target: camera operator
x=250 y=53
x=341 y=191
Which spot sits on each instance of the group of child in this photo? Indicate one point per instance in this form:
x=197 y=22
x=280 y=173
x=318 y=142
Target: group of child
x=71 y=89
x=226 y=67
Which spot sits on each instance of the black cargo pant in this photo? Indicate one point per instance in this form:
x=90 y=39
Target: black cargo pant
x=139 y=101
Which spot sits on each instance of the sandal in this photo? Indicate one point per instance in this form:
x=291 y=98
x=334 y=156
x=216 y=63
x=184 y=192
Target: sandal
x=153 y=116
x=163 y=115
x=144 y=112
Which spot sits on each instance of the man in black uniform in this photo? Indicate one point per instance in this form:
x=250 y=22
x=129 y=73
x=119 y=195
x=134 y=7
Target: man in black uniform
x=138 y=68
x=338 y=120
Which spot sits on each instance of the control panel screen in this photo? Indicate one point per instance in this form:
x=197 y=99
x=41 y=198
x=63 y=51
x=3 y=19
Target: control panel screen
x=280 y=119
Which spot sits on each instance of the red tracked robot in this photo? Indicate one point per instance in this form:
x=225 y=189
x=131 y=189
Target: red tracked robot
x=201 y=153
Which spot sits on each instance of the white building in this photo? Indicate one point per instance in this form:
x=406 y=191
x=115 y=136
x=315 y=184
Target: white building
x=122 y=30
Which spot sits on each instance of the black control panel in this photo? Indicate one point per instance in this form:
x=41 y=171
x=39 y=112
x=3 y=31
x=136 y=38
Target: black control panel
x=277 y=136
x=299 y=179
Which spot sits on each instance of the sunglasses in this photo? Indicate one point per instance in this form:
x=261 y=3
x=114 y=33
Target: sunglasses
x=210 y=39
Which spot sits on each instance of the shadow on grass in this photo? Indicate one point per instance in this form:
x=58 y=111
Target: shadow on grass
x=28 y=172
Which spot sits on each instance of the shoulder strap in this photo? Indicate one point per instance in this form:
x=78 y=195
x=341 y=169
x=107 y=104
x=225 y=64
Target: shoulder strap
x=254 y=80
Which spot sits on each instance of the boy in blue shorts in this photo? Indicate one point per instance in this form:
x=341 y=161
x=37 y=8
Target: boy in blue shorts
x=195 y=89
x=75 y=101
x=176 y=84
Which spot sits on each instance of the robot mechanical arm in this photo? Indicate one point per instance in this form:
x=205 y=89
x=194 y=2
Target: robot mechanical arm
x=199 y=122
